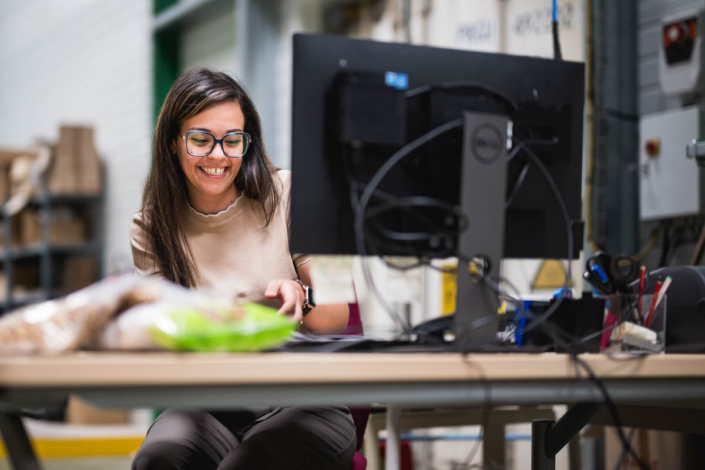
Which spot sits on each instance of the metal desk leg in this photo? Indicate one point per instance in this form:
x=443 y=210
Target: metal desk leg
x=539 y=439
x=372 y=446
x=393 y=452
x=493 y=445
x=547 y=437
x=17 y=442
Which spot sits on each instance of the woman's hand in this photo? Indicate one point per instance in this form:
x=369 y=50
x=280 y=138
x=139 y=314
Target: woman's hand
x=290 y=295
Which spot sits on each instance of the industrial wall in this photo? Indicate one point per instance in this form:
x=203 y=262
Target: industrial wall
x=89 y=63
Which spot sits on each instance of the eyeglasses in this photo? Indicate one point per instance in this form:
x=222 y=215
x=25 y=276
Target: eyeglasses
x=201 y=144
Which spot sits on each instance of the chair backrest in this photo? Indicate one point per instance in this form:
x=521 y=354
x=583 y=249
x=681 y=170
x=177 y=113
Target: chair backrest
x=359 y=415
x=354 y=327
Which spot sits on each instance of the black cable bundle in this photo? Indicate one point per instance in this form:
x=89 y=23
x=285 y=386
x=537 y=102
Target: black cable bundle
x=556 y=37
x=556 y=42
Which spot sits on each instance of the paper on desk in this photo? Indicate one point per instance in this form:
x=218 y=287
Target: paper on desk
x=332 y=279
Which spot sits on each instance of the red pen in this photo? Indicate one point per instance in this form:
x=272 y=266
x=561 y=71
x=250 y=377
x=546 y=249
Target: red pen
x=642 y=278
x=610 y=320
x=647 y=319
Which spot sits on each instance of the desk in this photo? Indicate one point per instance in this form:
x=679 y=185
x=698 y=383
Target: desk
x=160 y=380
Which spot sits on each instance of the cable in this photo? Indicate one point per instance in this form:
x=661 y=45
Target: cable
x=525 y=169
x=486 y=410
x=517 y=185
x=568 y=228
x=404 y=204
x=407 y=204
x=419 y=201
x=649 y=246
x=513 y=153
x=556 y=38
x=620 y=461
x=371 y=284
x=382 y=172
x=361 y=206
x=553 y=330
x=614 y=413
x=559 y=200
x=609 y=403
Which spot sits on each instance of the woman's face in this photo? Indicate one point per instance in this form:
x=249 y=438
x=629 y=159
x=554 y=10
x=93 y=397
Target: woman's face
x=211 y=177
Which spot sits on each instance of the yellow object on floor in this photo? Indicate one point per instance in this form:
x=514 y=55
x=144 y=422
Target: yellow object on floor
x=100 y=447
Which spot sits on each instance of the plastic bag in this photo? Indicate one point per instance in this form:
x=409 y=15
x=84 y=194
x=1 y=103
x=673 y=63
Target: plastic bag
x=247 y=327
x=137 y=313
x=72 y=322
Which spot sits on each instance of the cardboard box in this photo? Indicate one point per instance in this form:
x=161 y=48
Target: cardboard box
x=76 y=166
x=8 y=159
x=661 y=450
x=66 y=227
x=88 y=163
x=4 y=181
x=80 y=412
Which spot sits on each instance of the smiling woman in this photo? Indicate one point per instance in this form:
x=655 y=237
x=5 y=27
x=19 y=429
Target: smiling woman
x=215 y=214
x=209 y=163
x=212 y=103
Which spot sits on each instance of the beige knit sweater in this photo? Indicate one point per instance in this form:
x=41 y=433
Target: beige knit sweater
x=234 y=252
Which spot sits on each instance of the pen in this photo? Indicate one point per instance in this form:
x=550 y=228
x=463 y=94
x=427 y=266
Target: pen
x=642 y=278
x=662 y=293
x=657 y=289
x=610 y=320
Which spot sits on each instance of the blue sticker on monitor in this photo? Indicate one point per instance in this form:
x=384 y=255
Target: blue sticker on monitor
x=400 y=81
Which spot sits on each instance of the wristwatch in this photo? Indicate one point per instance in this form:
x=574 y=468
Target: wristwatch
x=309 y=303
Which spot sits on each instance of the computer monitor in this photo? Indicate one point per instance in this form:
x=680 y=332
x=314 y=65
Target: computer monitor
x=356 y=102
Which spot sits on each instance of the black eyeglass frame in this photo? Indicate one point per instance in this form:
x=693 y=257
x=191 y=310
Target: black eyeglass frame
x=218 y=141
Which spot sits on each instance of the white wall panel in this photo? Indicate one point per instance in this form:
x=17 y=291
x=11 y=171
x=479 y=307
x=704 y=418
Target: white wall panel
x=86 y=62
x=210 y=42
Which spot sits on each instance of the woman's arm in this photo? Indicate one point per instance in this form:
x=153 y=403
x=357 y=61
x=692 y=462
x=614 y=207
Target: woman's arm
x=142 y=257
x=324 y=319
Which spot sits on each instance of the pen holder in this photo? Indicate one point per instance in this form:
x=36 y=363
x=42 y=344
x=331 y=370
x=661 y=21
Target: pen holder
x=635 y=324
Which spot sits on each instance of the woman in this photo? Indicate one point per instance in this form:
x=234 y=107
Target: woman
x=215 y=214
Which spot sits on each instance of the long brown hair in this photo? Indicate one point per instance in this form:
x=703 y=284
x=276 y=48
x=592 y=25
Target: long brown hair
x=165 y=194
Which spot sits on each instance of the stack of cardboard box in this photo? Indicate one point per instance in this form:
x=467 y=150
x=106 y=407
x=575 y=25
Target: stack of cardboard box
x=75 y=167
x=65 y=227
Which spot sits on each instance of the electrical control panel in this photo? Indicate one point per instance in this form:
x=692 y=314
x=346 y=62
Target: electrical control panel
x=670 y=184
x=680 y=52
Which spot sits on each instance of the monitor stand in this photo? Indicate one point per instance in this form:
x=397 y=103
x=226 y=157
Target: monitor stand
x=483 y=193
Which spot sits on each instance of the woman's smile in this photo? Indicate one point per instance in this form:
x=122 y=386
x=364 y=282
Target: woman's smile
x=214 y=172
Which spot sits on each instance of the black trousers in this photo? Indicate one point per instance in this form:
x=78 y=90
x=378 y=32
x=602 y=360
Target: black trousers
x=288 y=438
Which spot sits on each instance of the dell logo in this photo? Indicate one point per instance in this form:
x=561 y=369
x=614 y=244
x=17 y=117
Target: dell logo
x=486 y=143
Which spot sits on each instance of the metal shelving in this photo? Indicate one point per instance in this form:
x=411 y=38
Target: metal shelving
x=45 y=253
